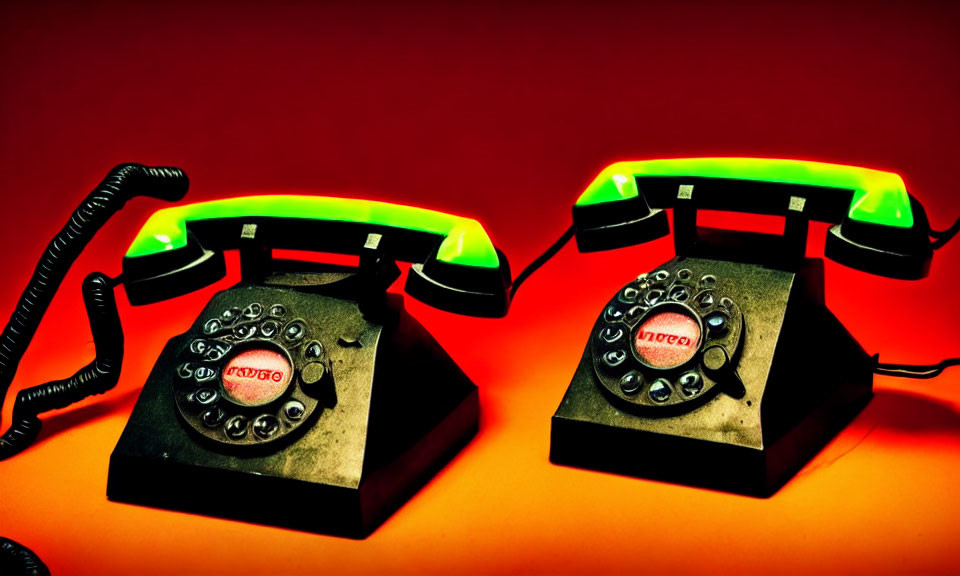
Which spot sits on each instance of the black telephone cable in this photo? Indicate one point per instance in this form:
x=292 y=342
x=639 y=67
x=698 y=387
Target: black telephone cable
x=918 y=371
x=542 y=259
x=922 y=371
x=943 y=236
x=121 y=184
x=96 y=377
x=18 y=560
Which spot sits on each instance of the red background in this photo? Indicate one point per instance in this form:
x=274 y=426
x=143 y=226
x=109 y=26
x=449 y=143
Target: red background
x=501 y=112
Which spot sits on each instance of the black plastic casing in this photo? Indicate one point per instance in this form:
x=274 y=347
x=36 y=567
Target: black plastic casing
x=804 y=378
x=903 y=253
x=401 y=408
x=611 y=225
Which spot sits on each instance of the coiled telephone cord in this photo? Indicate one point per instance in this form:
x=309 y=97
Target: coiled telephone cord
x=121 y=184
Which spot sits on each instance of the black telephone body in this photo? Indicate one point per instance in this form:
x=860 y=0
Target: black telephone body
x=375 y=406
x=306 y=395
x=710 y=369
x=354 y=406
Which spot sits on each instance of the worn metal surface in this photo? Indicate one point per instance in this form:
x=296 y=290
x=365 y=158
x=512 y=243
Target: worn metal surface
x=401 y=409
x=804 y=377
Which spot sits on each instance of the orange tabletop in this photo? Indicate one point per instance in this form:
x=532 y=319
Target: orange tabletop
x=500 y=112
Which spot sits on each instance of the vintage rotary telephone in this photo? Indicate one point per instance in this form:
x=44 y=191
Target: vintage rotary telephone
x=304 y=396
x=699 y=371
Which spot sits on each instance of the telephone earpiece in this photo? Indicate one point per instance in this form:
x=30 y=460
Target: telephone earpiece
x=456 y=267
x=877 y=226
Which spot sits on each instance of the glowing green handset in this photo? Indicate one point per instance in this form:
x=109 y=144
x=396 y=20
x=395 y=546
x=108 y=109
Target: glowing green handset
x=878 y=226
x=456 y=267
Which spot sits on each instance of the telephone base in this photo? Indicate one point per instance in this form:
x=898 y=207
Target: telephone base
x=805 y=379
x=402 y=410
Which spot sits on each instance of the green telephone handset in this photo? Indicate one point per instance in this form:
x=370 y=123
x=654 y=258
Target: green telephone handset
x=700 y=371
x=304 y=396
x=457 y=267
x=878 y=227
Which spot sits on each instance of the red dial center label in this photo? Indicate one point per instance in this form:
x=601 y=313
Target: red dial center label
x=668 y=339
x=256 y=377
